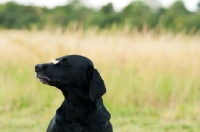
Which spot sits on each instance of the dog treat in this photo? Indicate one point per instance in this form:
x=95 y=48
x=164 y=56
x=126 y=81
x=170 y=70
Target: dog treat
x=54 y=61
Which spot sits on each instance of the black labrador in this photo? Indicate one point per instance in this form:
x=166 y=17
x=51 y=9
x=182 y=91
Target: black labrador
x=82 y=86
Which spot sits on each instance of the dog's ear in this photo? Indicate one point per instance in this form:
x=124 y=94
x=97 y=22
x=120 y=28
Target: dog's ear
x=89 y=72
x=97 y=86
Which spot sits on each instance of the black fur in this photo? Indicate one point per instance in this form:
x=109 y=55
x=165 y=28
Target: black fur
x=82 y=86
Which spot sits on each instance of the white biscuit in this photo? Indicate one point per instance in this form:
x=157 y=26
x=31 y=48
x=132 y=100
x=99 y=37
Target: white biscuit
x=54 y=61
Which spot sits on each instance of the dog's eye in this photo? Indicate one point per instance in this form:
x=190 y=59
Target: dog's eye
x=64 y=61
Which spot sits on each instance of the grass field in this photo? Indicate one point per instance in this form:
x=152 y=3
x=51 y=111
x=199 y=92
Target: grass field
x=152 y=80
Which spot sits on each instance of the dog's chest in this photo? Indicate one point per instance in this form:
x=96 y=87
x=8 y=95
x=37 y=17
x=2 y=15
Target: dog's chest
x=58 y=124
x=73 y=124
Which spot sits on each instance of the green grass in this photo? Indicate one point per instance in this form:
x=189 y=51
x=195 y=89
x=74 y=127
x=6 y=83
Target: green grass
x=152 y=80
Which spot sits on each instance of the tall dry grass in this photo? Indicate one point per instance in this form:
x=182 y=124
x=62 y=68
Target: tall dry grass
x=146 y=74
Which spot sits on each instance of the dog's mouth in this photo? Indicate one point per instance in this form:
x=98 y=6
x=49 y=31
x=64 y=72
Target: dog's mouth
x=43 y=79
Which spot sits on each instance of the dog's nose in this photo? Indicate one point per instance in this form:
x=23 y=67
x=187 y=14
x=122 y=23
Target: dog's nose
x=38 y=67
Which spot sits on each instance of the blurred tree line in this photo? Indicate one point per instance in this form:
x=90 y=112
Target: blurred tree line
x=135 y=15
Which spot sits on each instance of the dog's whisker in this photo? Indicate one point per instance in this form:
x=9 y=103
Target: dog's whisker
x=42 y=77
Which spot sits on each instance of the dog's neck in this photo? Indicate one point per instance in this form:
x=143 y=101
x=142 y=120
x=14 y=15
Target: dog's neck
x=79 y=103
x=77 y=98
x=79 y=107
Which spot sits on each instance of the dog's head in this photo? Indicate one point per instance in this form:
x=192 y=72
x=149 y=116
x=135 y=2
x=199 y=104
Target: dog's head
x=72 y=71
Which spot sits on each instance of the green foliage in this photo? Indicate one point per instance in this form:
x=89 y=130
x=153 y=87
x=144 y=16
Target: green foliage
x=176 y=16
x=16 y=16
x=104 y=18
x=137 y=14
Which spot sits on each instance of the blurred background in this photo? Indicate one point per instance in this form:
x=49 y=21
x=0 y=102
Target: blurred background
x=154 y=14
x=147 y=52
